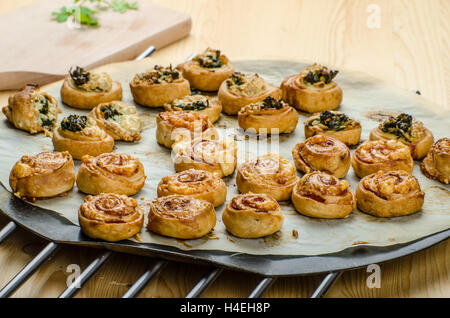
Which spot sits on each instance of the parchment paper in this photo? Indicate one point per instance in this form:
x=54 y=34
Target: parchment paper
x=365 y=99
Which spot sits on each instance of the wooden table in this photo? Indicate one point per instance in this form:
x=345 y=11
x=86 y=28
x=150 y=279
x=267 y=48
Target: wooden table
x=409 y=49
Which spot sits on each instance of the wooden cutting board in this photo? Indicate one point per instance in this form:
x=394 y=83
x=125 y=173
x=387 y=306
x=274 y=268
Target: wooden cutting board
x=36 y=49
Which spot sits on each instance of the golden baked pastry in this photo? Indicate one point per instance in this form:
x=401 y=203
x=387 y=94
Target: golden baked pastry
x=85 y=90
x=270 y=174
x=175 y=126
x=159 y=86
x=206 y=71
x=389 y=194
x=110 y=173
x=408 y=130
x=269 y=116
x=252 y=215
x=119 y=120
x=243 y=89
x=204 y=105
x=199 y=184
x=322 y=153
x=321 y=195
x=181 y=216
x=313 y=90
x=218 y=157
x=381 y=155
x=44 y=175
x=334 y=124
x=110 y=217
x=32 y=110
x=80 y=135
x=436 y=164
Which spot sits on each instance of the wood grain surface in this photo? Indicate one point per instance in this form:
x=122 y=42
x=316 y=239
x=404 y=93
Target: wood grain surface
x=410 y=50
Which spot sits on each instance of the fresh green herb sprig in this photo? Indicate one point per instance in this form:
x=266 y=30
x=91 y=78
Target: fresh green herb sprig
x=85 y=15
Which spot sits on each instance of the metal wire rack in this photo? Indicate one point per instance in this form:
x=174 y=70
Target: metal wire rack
x=146 y=277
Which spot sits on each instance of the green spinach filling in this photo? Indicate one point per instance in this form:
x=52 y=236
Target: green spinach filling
x=74 y=123
x=197 y=105
x=400 y=126
x=270 y=102
x=320 y=75
x=109 y=111
x=333 y=121
x=236 y=79
x=210 y=60
x=79 y=75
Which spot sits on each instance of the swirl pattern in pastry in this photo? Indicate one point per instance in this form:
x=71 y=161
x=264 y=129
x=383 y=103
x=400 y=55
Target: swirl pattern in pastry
x=199 y=184
x=389 y=194
x=252 y=216
x=269 y=116
x=436 y=164
x=321 y=195
x=313 y=90
x=215 y=156
x=80 y=135
x=270 y=174
x=322 y=153
x=181 y=216
x=45 y=175
x=111 y=173
x=110 y=217
x=381 y=155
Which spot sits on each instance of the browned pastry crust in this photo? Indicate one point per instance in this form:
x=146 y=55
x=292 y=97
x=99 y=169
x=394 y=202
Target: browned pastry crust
x=215 y=156
x=176 y=126
x=181 y=216
x=348 y=131
x=268 y=116
x=252 y=215
x=419 y=140
x=322 y=153
x=243 y=89
x=88 y=96
x=207 y=70
x=436 y=164
x=199 y=184
x=44 y=175
x=381 y=155
x=32 y=110
x=204 y=105
x=119 y=120
x=110 y=217
x=110 y=173
x=389 y=194
x=91 y=140
x=311 y=98
x=159 y=86
x=270 y=174
x=321 y=195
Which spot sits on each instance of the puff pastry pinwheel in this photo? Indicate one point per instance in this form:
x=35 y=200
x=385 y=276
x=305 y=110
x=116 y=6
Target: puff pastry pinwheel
x=252 y=215
x=269 y=116
x=381 y=155
x=80 y=135
x=270 y=174
x=322 y=153
x=243 y=89
x=199 y=184
x=181 y=217
x=44 y=175
x=85 y=90
x=32 y=110
x=179 y=125
x=321 y=195
x=159 y=86
x=119 y=120
x=436 y=164
x=408 y=130
x=313 y=90
x=334 y=124
x=110 y=217
x=110 y=173
x=389 y=194
x=207 y=70
x=216 y=156
x=201 y=104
